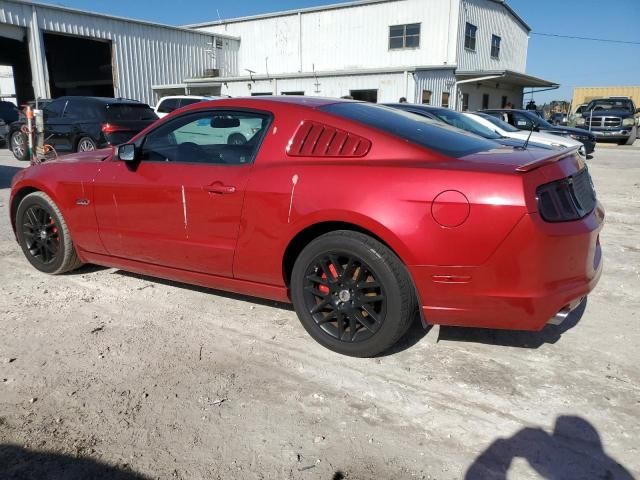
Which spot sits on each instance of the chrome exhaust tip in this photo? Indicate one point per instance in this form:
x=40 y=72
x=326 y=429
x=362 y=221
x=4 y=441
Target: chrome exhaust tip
x=560 y=317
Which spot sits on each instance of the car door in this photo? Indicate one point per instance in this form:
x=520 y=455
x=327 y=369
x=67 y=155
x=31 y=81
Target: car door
x=179 y=205
x=57 y=128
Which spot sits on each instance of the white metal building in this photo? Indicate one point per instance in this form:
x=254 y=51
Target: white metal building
x=465 y=54
x=56 y=51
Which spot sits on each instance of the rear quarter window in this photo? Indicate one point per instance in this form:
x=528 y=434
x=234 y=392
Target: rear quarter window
x=419 y=130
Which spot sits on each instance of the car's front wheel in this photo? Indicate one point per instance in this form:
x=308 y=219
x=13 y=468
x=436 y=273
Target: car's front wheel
x=352 y=293
x=44 y=236
x=18 y=145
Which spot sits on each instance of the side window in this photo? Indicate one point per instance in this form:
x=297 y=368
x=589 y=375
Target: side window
x=188 y=101
x=54 y=109
x=213 y=137
x=168 y=105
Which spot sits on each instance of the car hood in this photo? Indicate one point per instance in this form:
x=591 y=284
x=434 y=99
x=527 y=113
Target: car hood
x=566 y=130
x=84 y=157
x=608 y=113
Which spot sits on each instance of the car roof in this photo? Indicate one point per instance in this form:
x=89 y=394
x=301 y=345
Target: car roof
x=102 y=100
x=260 y=101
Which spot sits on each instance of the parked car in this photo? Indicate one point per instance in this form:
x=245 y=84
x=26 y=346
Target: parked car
x=4 y=132
x=167 y=105
x=80 y=124
x=525 y=120
x=558 y=118
x=355 y=212
x=611 y=118
x=509 y=131
x=459 y=120
x=8 y=112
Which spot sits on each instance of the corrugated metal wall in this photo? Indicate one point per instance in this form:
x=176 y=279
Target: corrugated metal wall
x=586 y=94
x=437 y=82
x=491 y=18
x=143 y=54
x=346 y=38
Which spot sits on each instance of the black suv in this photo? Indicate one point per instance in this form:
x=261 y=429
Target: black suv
x=80 y=124
x=611 y=119
x=526 y=120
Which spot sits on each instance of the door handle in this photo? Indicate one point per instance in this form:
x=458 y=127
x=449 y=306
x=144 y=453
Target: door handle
x=220 y=189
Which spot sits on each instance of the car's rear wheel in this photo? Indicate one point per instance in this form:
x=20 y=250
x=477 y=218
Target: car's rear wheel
x=18 y=145
x=352 y=293
x=86 y=144
x=44 y=236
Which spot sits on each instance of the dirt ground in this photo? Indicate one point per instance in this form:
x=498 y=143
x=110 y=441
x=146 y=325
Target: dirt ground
x=104 y=374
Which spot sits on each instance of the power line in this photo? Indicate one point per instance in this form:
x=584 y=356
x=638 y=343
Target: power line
x=586 y=38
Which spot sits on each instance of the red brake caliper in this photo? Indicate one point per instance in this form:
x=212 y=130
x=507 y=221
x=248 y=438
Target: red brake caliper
x=334 y=272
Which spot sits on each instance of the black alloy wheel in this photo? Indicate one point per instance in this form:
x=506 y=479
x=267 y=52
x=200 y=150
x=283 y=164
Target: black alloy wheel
x=352 y=294
x=40 y=234
x=344 y=297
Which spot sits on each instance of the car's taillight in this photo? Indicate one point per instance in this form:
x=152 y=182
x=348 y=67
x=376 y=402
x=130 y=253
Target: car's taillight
x=111 y=128
x=567 y=199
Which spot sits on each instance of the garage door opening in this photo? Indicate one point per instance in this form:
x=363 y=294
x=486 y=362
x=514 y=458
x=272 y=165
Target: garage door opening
x=78 y=66
x=14 y=53
x=365 y=95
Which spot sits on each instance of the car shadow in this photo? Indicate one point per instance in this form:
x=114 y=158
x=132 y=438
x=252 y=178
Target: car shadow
x=513 y=338
x=573 y=450
x=17 y=463
x=210 y=291
x=6 y=174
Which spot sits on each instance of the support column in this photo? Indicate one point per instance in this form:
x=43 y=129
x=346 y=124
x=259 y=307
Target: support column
x=39 y=72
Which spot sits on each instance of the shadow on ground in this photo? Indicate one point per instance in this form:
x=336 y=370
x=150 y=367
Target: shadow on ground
x=6 y=174
x=209 y=291
x=17 y=463
x=513 y=338
x=573 y=450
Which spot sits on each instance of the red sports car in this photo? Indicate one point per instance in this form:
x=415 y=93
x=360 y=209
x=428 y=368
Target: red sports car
x=359 y=214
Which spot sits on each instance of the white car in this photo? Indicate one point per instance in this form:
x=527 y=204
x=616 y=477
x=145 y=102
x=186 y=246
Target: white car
x=509 y=131
x=166 y=105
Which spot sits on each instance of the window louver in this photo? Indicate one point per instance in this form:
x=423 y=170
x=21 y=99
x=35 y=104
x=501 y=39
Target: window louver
x=313 y=139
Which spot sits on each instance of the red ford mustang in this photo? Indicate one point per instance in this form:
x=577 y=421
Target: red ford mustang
x=358 y=214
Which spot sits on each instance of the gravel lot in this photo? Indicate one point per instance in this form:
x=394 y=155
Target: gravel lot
x=105 y=374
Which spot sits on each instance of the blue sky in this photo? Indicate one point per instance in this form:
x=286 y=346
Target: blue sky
x=568 y=62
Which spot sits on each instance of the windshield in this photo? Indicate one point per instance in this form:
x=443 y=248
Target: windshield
x=129 y=112
x=416 y=129
x=537 y=119
x=498 y=123
x=463 y=122
x=610 y=104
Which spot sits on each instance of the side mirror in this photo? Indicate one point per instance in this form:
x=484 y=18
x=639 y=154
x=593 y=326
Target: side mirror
x=127 y=153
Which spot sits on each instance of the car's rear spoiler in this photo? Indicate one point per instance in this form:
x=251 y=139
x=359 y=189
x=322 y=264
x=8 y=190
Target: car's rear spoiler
x=546 y=160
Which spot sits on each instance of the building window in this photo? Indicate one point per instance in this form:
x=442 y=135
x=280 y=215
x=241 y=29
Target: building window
x=465 y=102
x=293 y=93
x=495 y=46
x=470 y=36
x=485 y=100
x=261 y=94
x=504 y=101
x=404 y=36
x=445 y=99
x=364 y=95
x=426 y=97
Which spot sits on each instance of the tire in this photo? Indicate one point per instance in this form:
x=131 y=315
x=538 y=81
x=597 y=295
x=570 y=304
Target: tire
x=38 y=216
x=632 y=137
x=18 y=146
x=86 y=144
x=330 y=296
x=236 y=139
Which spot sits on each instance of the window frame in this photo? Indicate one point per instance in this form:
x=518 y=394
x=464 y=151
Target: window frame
x=498 y=47
x=404 y=36
x=474 y=37
x=269 y=116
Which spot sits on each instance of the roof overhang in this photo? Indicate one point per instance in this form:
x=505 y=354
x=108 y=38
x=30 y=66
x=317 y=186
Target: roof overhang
x=508 y=76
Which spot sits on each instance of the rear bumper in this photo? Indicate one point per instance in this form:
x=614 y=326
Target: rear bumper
x=540 y=269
